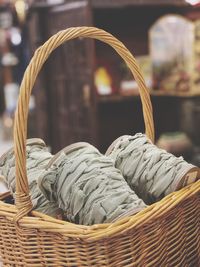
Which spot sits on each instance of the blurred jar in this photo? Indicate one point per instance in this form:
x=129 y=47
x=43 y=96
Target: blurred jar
x=177 y=143
x=196 y=157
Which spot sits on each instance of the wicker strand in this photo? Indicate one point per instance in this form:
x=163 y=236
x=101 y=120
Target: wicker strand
x=24 y=204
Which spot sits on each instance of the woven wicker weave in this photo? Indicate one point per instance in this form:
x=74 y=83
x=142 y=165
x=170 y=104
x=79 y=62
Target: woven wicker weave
x=164 y=234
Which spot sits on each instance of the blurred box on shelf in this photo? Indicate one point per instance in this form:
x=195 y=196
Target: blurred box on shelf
x=175 y=55
x=196 y=74
x=128 y=85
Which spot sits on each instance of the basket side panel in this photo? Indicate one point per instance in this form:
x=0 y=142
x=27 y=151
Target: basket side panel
x=171 y=240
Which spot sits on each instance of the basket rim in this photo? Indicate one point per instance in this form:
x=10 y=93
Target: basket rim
x=40 y=221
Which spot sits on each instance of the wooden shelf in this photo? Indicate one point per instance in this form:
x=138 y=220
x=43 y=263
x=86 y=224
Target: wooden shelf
x=123 y=3
x=44 y=4
x=121 y=98
x=116 y=98
x=175 y=94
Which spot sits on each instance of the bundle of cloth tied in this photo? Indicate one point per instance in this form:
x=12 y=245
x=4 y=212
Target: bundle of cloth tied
x=83 y=186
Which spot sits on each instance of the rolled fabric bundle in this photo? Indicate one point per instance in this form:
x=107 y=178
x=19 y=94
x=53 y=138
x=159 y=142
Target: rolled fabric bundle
x=37 y=159
x=151 y=172
x=87 y=186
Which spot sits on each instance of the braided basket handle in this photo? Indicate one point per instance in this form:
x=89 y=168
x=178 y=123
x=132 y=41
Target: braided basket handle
x=23 y=201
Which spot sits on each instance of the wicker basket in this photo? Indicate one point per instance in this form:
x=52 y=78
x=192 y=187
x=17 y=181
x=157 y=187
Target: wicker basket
x=164 y=234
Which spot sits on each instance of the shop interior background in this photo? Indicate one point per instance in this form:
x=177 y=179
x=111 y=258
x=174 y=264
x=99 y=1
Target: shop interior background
x=85 y=92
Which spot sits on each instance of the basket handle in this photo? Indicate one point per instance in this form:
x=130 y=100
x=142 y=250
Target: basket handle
x=23 y=201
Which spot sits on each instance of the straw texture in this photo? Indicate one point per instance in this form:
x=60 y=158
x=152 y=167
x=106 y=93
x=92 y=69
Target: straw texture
x=164 y=234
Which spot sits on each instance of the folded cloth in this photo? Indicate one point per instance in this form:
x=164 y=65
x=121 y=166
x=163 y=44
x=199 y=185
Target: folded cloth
x=37 y=158
x=151 y=172
x=87 y=186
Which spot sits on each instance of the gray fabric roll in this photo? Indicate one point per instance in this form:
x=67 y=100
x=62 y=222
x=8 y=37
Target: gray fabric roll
x=151 y=172
x=87 y=186
x=37 y=159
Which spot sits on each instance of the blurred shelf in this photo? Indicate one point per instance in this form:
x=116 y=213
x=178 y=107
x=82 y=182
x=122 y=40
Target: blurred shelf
x=123 y=3
x=117 y=3
x=175 y=94
x=117 y=98
x=46 y=4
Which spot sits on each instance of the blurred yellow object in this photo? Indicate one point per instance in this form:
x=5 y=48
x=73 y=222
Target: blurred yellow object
x=103 y=81
x=20 y=7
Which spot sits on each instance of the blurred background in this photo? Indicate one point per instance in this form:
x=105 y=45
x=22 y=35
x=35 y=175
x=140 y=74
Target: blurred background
x=84 y=91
